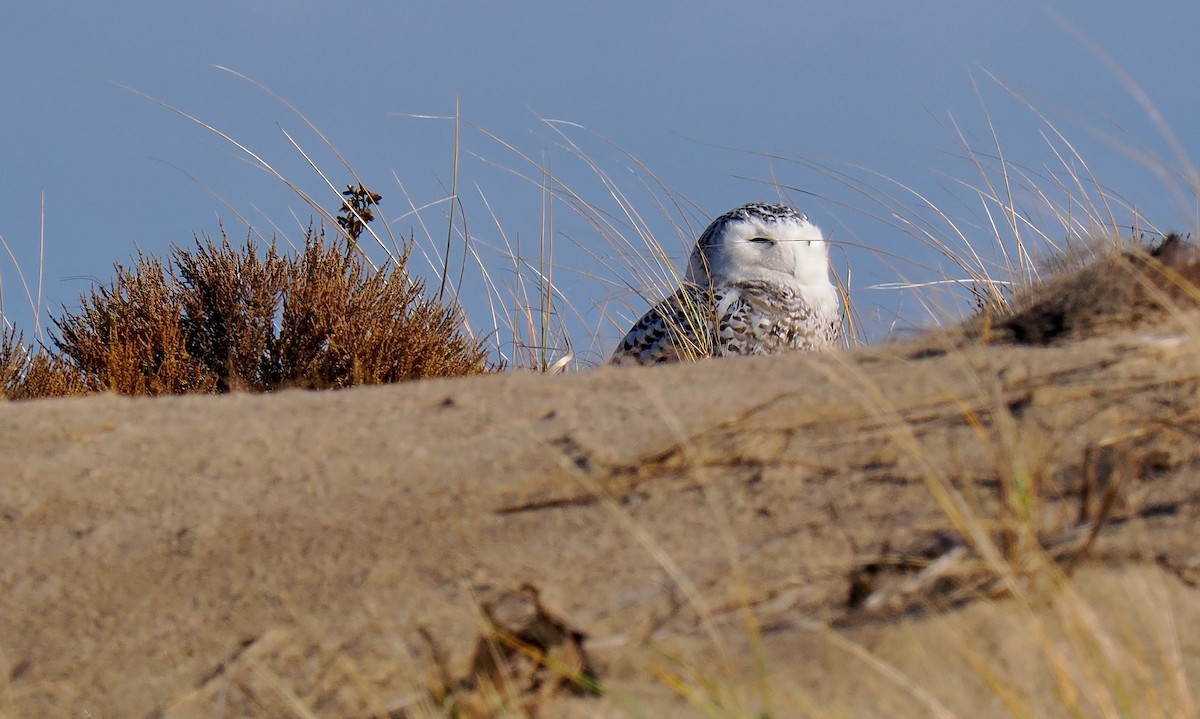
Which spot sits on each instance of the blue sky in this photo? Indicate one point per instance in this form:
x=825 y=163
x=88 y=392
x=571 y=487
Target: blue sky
x=721 y=102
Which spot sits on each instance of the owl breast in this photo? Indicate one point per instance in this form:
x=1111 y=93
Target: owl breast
x=733 y=318
x=757 y=318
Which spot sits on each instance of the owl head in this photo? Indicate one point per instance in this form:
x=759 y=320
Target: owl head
x=760 y=241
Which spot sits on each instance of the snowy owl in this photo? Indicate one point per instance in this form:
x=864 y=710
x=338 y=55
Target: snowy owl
x=757 y=283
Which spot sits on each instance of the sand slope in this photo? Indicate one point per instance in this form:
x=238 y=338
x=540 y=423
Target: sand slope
x=329 y=552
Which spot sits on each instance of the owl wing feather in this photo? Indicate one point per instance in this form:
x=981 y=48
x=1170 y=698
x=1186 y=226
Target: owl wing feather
x=679 y=327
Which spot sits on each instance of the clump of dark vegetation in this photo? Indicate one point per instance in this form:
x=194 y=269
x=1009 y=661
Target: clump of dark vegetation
x=221 y=318
x=356 y=211
x=1138 y=284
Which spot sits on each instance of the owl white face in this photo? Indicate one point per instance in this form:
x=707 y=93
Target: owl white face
x=771 y=243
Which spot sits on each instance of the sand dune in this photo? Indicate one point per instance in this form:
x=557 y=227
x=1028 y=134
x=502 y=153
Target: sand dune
x=990 y=520
x=334 y=553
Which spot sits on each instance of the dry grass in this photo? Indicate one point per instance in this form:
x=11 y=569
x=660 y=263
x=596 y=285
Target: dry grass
x=344 y=324
x=220 y=318
x=128 y=337
x=28 y=374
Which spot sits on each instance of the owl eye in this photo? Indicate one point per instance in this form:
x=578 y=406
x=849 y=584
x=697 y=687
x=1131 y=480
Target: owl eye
x=762 y=240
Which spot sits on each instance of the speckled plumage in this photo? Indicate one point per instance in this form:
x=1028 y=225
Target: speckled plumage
x=757 y=283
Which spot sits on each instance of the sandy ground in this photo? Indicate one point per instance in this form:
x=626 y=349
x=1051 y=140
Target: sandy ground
x=708 y=539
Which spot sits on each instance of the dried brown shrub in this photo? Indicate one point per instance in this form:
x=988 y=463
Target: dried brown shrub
x=128 y=338
x=346 y=324
x=12 y=359
x=222 y=318
x=228 y=299
x=49 y=375
x=27 y=374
